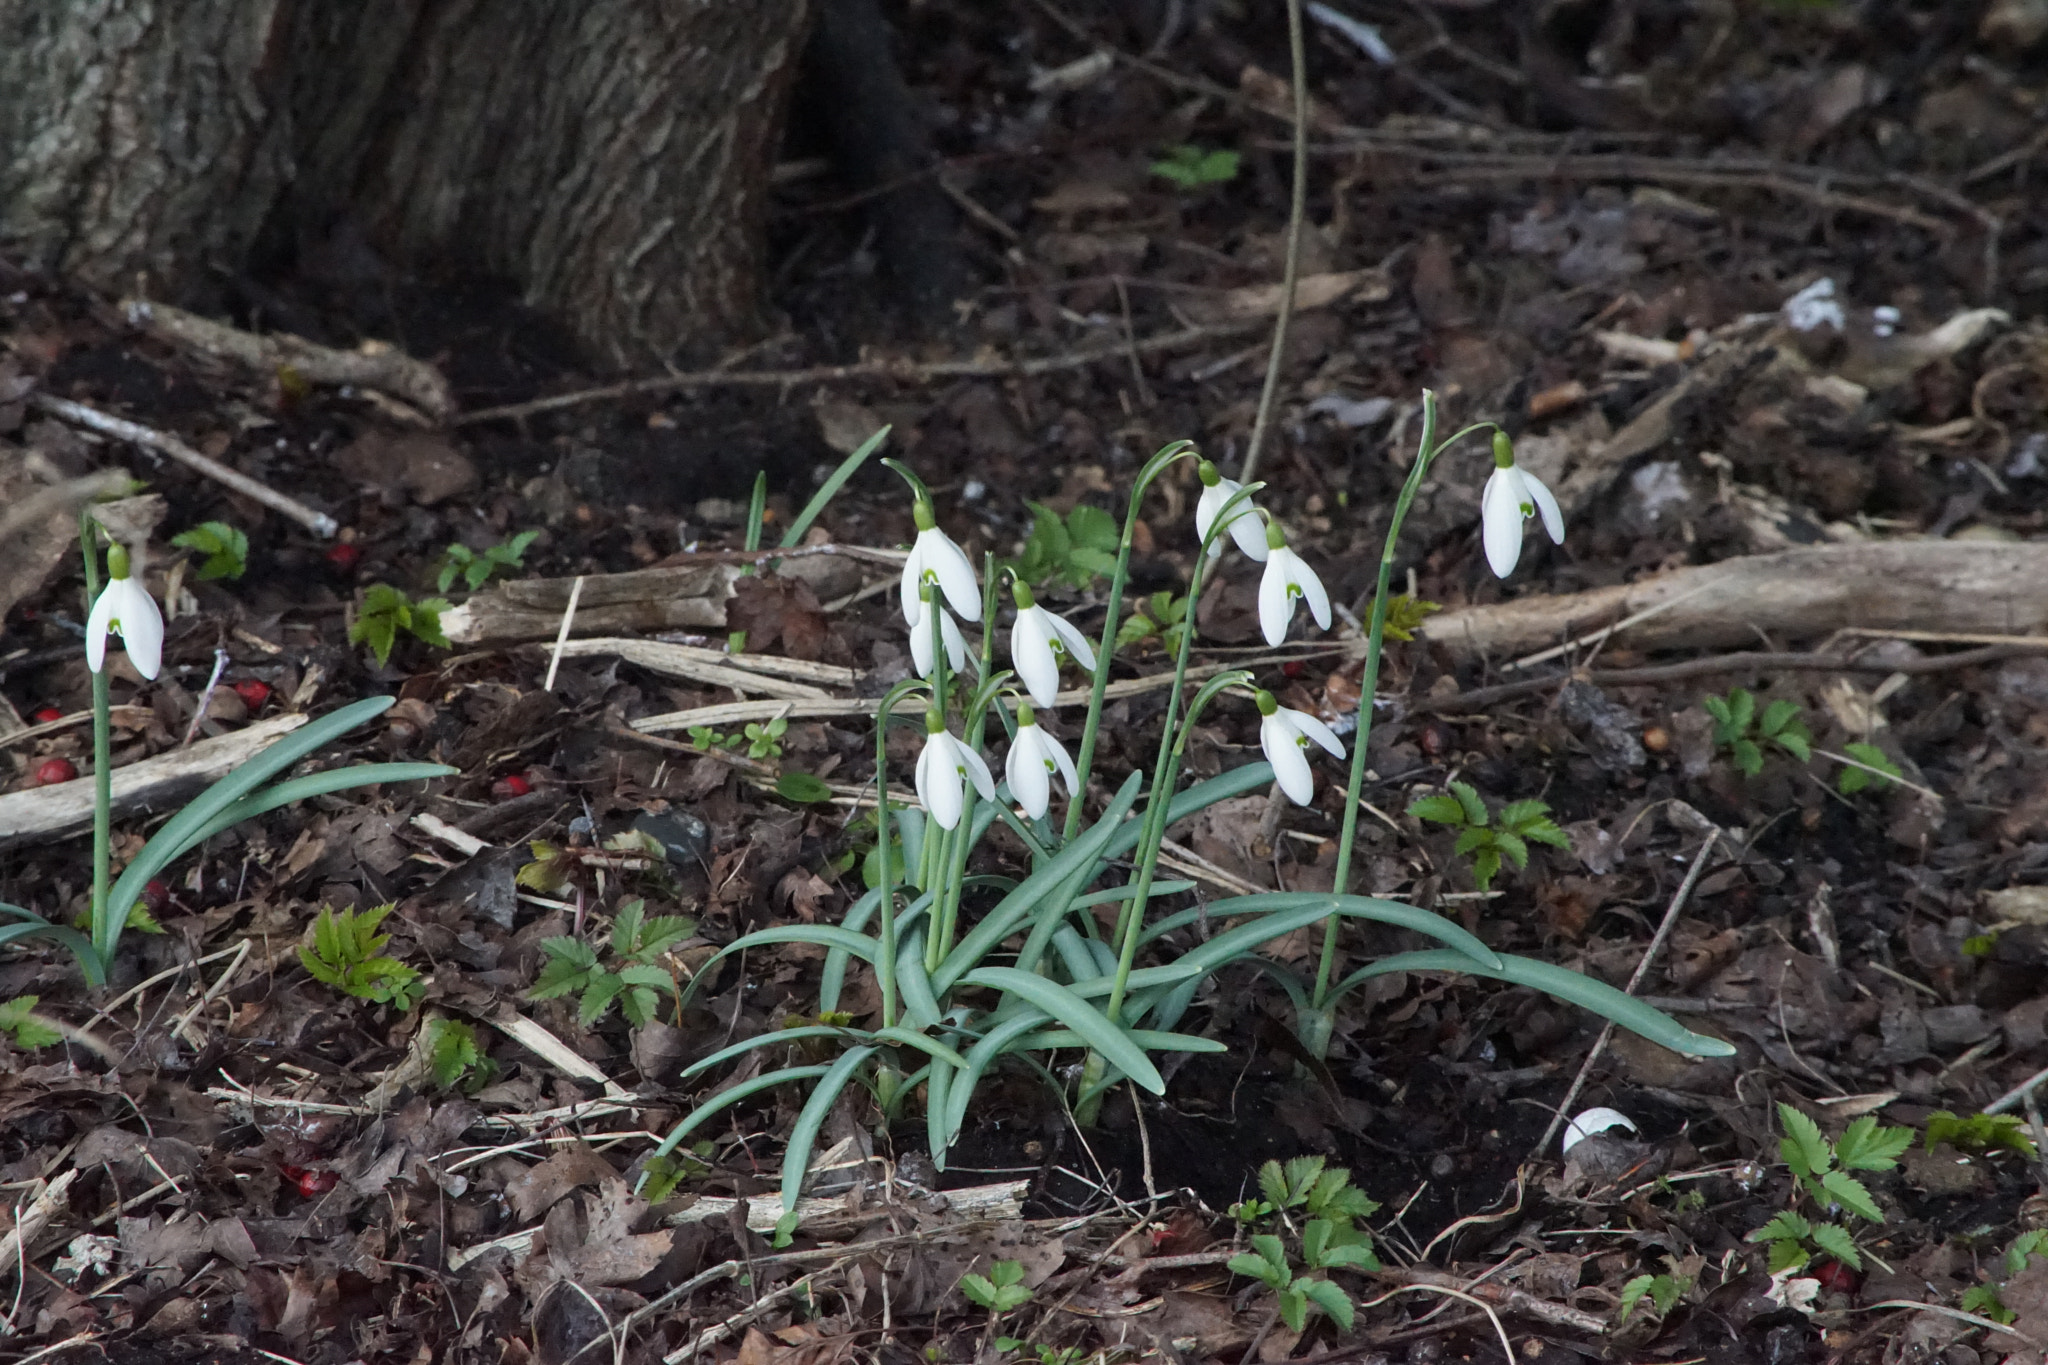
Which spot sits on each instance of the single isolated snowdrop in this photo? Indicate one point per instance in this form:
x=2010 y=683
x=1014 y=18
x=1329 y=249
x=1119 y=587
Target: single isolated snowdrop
x=1284 y=734
x=944 y=769
x=1512 y=495
x=934 y=558
x=957 y=657
x=1034 y=757
x=1038 y=640
x=1244 y=525
x=1287 y=577
x=125 y=606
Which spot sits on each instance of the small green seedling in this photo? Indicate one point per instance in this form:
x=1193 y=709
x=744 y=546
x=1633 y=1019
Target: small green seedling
x=1000 y=1291
x=1854 y=779
x=474 y=569
x=633 y=977
x=19 y=1021
x=388 y=613
x=1406 y=614
x=1163 y=617
x=344 y=955
x=805 y=789
x=1331 y=1207
x=226 y=549
x=459 y=1060
x=1979 y=1133
x=764 y=738
x=664 y=1173
x=1743 y=733
x=1986 y=1298
x=1662 y=1290
x=1047 y=1355
x=1080 y=549
x=1820 y=1169
x=1486 y=839
x=1194 y=168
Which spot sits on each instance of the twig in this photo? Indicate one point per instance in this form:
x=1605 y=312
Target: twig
x=1678 y=900
x=905 y=371
x=121 y=429
x=2015 y=1097
x=1481 y=698
x=562 y=635
x=1514 y=1300
x=220 y=666
x=1297 y=210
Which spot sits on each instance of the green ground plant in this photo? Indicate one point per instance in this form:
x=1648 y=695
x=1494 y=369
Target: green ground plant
x=1744 y=734
x=387 y=614
x=20 y=1022
x=457 y=1056
x=344 y=954
x=1195 y=168
x=1988 y=1299
x=1486 y=839
x=226 y=549
x=1327 y=1208
x=630 y=974
x=1980 y=1133
x=476 y=568
x=1821 y=1172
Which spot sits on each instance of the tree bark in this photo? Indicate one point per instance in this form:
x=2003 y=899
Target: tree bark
x=609 y=157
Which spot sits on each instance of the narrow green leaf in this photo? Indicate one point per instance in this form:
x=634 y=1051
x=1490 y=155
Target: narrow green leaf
x=829 y=489
x=729 y=1096
x=1077 y=1014
x=796 y=1158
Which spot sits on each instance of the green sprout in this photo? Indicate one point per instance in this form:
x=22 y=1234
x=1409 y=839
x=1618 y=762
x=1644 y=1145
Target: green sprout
x=344 y=955
x=1194 y=168
x=387 y=613
x=226 y=549
x=1487 y=839
x=475 y=570
x=1743 y=733
x=633 y=978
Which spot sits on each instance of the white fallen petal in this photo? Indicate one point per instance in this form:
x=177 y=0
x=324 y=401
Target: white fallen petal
x=1591 y=1121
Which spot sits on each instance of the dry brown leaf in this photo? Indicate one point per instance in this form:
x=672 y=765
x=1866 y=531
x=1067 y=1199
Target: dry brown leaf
x=535 y=1190
x=1310 y=291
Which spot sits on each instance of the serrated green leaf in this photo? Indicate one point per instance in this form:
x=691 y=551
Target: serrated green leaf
x=1788 y=1255
x=1273 y=1184
x=1803 y=1147
x=1511 y=847
x=1837 y=1242
x=604 y=988
x=1867 y=1147
x=1850 y=1193
x=1632 y=1294
x=1784 y=1226
x=1777 y=717
x=1475 y=809
x=1749 y=760
x=1440 y=810
x=1332 y=1299
x=1293 y=1305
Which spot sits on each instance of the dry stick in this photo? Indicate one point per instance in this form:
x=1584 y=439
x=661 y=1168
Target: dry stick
x=1678 y=900
x=1481 y=698
x=2015 y=1097
x=562 y=635
x=1297 y=210
x=908 y=371
x=120 y=428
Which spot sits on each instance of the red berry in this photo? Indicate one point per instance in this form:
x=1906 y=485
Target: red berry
x=509 y=786
x=1294 y=668
x=156 y=897
x=253 y=693
x=311 y=1184
x=1836 y=1278
x=345 y=556
x=47 y=714
x=54 y=770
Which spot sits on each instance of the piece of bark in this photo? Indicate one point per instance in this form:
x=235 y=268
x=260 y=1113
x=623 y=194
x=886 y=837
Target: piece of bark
x=379 y=367
x=158 y=783
x=1944 y=585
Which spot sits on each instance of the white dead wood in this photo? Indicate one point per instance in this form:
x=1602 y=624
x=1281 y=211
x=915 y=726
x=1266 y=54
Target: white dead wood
x=154 y=784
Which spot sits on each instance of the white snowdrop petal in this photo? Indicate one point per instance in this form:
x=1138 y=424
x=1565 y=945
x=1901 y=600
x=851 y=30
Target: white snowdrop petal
x=1038 y=668
x=1312 y=590
x=1025 y=771
x=1500 y=521
x=1323 y=735
x=96 y=626
x=1290 y=765
x=1276 y=607
x=1061 y=760
x=955 y=573
x=976 y=769
x=1546 y=507
x=1076 y=643
x=938 y=780
x=1590 y=1121
x=1248 y=529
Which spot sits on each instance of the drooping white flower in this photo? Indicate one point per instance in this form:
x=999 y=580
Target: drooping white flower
x=957 y=657
x=1511 y=496
x=1038 y=640
x=1284 y=735
x=935 y=558
x=1034 y=757
x=1244 y=525
x=1287 y=577
x=124 y=605
x=944 y=769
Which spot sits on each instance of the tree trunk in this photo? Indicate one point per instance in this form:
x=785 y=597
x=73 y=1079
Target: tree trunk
x=610 y=157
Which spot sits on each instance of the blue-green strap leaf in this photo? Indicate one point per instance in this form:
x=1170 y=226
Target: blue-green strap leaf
x=1077 y=1014
x=767 y=1039
x=1565 y=984
x=731 y=1095
x=796 y=1158
x=822 y=935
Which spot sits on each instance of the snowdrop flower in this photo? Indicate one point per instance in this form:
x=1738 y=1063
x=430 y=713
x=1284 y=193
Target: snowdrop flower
x=1287 y=577
x=1034 y=757
x=1512 y=494
x=934 y=558
x=125 y=606
x=1244 y=520
x=1037 y=641
x=921 y=639
x=941 y=769
x=1284 y=735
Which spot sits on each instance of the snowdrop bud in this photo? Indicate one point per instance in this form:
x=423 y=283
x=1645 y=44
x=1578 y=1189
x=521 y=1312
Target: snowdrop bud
x=1038 y=640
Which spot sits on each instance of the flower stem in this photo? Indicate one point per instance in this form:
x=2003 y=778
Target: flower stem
x=885 y=964
x=1084 y=760
x=1316 y=1031
x=102 y=747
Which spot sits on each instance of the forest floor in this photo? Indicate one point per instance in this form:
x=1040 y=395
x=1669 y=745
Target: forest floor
x=1800 y=242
